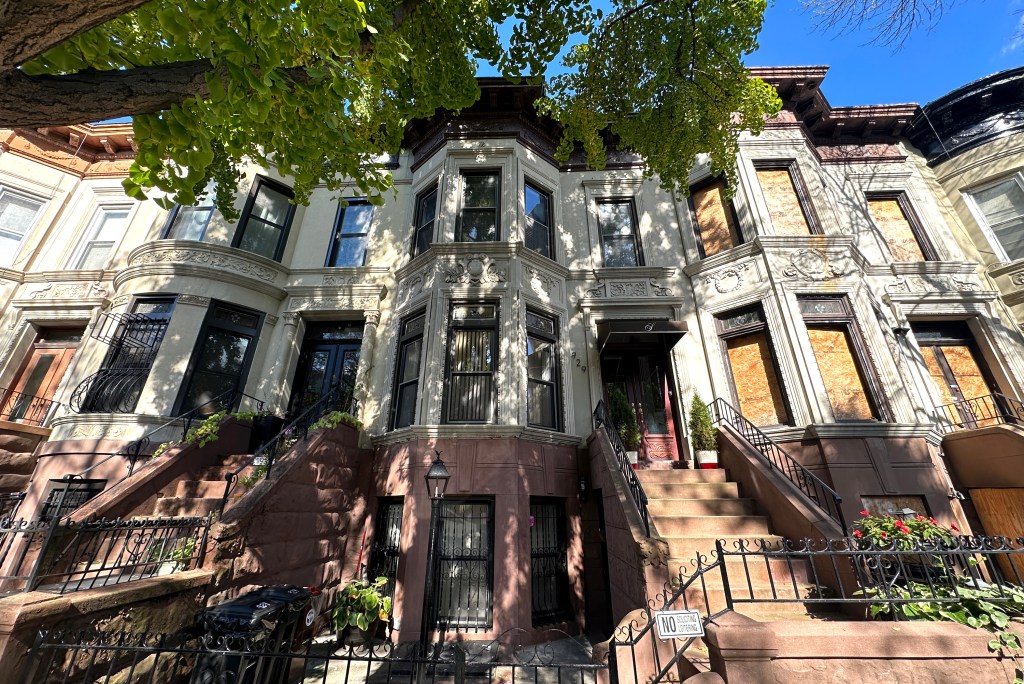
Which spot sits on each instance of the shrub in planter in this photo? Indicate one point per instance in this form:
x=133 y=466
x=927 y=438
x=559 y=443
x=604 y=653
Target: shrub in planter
x=624 y=418
x=361 y=606
x=703 y=435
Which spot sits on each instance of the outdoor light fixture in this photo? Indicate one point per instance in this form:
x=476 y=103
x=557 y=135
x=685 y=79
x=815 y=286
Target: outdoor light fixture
x=437 y=478
x=437 y=483
x=906 y=513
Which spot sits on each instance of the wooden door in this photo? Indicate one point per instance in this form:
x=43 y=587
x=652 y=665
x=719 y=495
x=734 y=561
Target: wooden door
x=962 y=381
x=29 y=397
x=643 y=378
x=322 y=366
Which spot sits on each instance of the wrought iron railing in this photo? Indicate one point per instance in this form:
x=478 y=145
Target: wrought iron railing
x=776 y=458
x=856 y=570
x=110 y=390
x=9 y=503
x=970 y=414
x=24 y=408
x=603 y=420
x=341 y=397
x=138 y=330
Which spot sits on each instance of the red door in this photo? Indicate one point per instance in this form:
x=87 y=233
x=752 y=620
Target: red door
x=643 y=378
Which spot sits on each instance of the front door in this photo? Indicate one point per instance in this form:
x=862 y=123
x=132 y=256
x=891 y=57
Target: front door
x=641 y=376
x=329 y=357
x=29 y=397
x=964 y=383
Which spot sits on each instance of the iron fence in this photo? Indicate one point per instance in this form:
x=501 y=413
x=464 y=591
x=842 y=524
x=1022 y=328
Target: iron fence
x=603 y=420
x=65 y=556
x=18 y=407
x=341 y=397
x=9 y=503
x=776 y=458
x=105 y=658
x=970 y=414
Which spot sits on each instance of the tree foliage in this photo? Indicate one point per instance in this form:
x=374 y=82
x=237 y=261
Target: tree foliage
x=321 y=91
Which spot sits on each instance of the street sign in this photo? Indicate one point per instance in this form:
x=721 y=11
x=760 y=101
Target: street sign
x=673 y=624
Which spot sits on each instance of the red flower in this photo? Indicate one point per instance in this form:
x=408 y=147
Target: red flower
x=857 y=534
x=883 y=535
x=921 y=517
x=864 y=513
x=954 y=528
x=933 y=521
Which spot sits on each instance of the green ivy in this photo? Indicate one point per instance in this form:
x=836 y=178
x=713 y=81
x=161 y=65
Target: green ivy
x=332 y=419
x=207 y=431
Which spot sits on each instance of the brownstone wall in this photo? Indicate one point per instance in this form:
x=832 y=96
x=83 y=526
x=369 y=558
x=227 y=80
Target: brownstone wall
x=17 y=454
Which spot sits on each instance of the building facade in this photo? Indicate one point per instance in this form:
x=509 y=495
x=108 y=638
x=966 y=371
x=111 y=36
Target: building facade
x=844 y=297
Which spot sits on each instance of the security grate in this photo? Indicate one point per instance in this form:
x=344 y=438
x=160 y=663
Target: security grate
x=465 y=565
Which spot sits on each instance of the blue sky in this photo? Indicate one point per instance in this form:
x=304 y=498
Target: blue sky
x=974 y=39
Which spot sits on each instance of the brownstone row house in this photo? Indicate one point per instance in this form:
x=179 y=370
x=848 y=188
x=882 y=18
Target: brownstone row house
x=855 y=301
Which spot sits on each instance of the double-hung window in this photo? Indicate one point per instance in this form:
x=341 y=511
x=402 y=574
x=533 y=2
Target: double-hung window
x=1001 y=206
x=407 y=371
x=18 y=213
x=472 y=363
x=899 y=228
x=105 y=229
x=538 y=221
x=348 y=247
x=220 y=362
x=478 y=220
x=263 y=228
x=426 y=215
x=620 y=244
x=542 y=400
x=189 y=223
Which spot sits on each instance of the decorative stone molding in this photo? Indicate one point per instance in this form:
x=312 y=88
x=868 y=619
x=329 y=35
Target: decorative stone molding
x=121 y=300
x=543 y=283
x=731 y=278
x=660 y=291
x=205 y=256
x=68 y=291
x=341 y=280
x=908 y=284
x=194 y=300
x=272 y=319
x=818 y=264
x=372 y=317
x=343 y=301
x=414 y=284
x=474 y=269
x=626 y=289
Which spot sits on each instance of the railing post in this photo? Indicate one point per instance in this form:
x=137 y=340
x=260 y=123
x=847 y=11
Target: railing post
x=54 y=524
x=725 y=574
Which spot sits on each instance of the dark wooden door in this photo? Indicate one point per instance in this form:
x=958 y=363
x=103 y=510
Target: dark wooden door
x=643 y=378
x=322 y=365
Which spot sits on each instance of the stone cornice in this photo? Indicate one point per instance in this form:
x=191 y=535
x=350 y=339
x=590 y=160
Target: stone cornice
x=476 y=432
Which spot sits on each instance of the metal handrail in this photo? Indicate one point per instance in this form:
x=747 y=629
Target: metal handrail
x=603 y=419
x=267 y=454
x=25 y=408
x=970 y=414
x=776 y=458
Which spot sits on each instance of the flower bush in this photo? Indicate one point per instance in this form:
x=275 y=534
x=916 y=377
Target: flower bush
x=890 y=530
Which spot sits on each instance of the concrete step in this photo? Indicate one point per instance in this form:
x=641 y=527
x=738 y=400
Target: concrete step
x=680 y=476
x=670 y=526
x=178 y=506
x=692 y=490
x=200 y=489
x=675 y=507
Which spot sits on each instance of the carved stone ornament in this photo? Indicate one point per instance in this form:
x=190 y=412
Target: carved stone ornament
x=475 y=269
x=629 y=289
x=372 y=317
x=343 y=302
x=596 y=292
x=69 y=291
x=626 y=289
x=98 y=430
x=121 y=300
x=341 y=280
x=206 y=258
x=660 y=291
x=195 y=300
x=817 y=265
x=541 y=282
x=728 y=279
x=1017 y=278
x=272 y=319
x=963 y=285
x=414 y=284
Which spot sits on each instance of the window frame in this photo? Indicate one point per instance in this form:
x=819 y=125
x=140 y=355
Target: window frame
x=210 y=321
x=494 y=325
x=847 y=321
x=540 y=189
x=982 y=220
x=481 y=172
x=418 y=224
x=89 y=488
x=731 y=208
x=209 y=195
x=803 y=196
x=381 y=551
x=243 y=221
x=556 y=383
x=724 y=335
x=405 y=339
x=916 y=227
x=637 y=242
x=337 y=235
x=75 y=263
x=8 y=190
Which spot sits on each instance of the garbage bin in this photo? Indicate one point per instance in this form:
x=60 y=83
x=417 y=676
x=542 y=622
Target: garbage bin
x=237 y=626
x=295 y=627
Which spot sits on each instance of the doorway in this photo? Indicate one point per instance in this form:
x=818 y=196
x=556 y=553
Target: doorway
x=30 y=396
x=329 y=358
x=641 y=375
x=965 y=385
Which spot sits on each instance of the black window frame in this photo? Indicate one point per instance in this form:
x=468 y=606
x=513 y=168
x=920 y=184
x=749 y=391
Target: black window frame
x=78 y=493
x=459 y=224
x=802 y=195
x=405 y=339
x=477 y=324
x=439 y=619
x=556 y=383
x=210 y=321
x=337 y=236
x=916 y=227
x=561 y=610
x=637 y=242
x=243 y=222
x=760 y=325
x=420 y=225
x=846 y=320
x=730 y=207
x=528 y=220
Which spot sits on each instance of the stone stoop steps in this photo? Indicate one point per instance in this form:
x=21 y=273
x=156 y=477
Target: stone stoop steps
x=690 y=509
x=201 y=496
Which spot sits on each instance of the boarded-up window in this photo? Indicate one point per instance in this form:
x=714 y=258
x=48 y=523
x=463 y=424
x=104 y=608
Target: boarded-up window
x=783 y=199
x=953 y=363
x=755 y=379
x=895 y=227
x=844 y=381
x=716 y=224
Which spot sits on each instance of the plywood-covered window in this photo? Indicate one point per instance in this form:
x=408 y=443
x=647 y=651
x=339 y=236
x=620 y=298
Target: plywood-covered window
x=839 y=351
x=756 y=386
x=787 y=199
x=962 y=378
x=898 y=227
x=714 y=219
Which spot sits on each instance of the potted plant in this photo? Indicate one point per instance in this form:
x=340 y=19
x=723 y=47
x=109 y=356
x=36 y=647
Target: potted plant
x=361 y=609
x=624 y=419
x=703 y=434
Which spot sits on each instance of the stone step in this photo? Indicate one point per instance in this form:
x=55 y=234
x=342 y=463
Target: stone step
x=670 y=526
x=703 y=599
x=688 y=546
x=756 y=580
x=674 y=507
x=200 y=489
x=179 y=506
x=680 y=476
x=692 y=490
